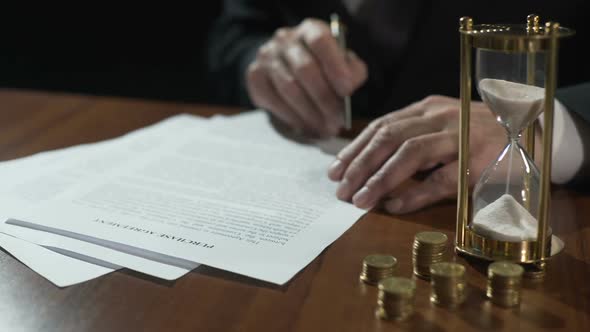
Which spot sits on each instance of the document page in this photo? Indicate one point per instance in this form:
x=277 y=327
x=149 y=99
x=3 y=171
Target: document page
x=237 y=196
x=61 y=270
x=29 y=181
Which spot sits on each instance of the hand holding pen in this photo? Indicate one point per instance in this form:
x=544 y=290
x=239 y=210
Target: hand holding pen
x=302 y=76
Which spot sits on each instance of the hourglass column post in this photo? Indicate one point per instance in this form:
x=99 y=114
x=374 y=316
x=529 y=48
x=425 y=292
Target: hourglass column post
x=550 y=85
x=465 y=24
x=532 y=26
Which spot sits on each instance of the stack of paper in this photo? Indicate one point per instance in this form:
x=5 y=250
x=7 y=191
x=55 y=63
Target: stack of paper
x=229 y=192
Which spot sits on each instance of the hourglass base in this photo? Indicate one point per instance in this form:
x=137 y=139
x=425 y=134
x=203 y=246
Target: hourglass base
x=494 y=250
x=533 y=272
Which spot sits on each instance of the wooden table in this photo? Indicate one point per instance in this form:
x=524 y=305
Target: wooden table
x=325 y=296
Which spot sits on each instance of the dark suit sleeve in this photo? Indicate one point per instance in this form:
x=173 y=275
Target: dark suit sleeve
x=576 y=99
x=242 y=28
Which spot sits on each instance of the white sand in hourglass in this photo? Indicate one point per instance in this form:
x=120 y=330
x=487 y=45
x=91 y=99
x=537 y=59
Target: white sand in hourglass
x=505 y=220
x=515 y=106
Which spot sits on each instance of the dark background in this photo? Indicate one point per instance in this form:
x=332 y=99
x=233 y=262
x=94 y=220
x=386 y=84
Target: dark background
x=155 y=53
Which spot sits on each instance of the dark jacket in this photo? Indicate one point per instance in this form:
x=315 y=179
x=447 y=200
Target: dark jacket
x=427 y=62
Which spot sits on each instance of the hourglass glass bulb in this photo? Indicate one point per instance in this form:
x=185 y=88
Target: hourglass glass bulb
x=515 y=105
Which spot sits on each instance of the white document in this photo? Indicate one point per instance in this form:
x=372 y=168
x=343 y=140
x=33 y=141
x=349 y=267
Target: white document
x=236 y=196
x=97 y=254
x=29 y=181
x=60 y=270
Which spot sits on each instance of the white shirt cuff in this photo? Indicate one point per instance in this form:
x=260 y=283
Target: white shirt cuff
x=568 y=150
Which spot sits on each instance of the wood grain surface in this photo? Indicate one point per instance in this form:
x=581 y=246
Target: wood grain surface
x=325 y=296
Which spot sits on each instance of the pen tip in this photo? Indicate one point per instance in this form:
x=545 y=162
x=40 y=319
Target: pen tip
x=334 y=17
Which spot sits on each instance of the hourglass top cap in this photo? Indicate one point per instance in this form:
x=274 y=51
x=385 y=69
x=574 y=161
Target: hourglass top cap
x=531 y=36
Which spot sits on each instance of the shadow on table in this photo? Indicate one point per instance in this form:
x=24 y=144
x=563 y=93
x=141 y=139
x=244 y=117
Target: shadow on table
x=212 y=272
x=435 y=216
x=540 y=317
x=148 y=278
x=234 y=277
x=567 y=281
x=417 y=322
x=477 y=311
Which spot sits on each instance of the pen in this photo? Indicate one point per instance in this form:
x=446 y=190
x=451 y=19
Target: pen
x=339 y=32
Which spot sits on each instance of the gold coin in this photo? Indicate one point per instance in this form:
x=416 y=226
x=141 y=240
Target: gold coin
x=505 y=269
x=380 y=261
x=398 y=286
x=431 y=238
x=447 y=269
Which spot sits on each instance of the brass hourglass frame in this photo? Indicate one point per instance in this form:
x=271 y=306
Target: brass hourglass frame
x=526 y=39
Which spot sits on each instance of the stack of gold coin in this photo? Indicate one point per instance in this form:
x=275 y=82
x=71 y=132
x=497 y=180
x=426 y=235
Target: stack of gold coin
x=448 y=284
x=429 y=248
x=504 y=283
x=377 y=267
x=396 y=298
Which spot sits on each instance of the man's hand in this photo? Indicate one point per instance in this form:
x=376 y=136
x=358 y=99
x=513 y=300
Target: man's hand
x=300 y=75
x=419 y=137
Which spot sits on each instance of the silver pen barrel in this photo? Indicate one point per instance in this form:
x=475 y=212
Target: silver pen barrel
x=339 y=32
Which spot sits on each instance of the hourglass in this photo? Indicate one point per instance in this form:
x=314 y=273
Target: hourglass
x=516 y=68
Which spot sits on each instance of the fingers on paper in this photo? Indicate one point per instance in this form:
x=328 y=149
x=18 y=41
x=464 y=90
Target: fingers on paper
x=394 y=148
x=410 y=158
x=440 y=184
